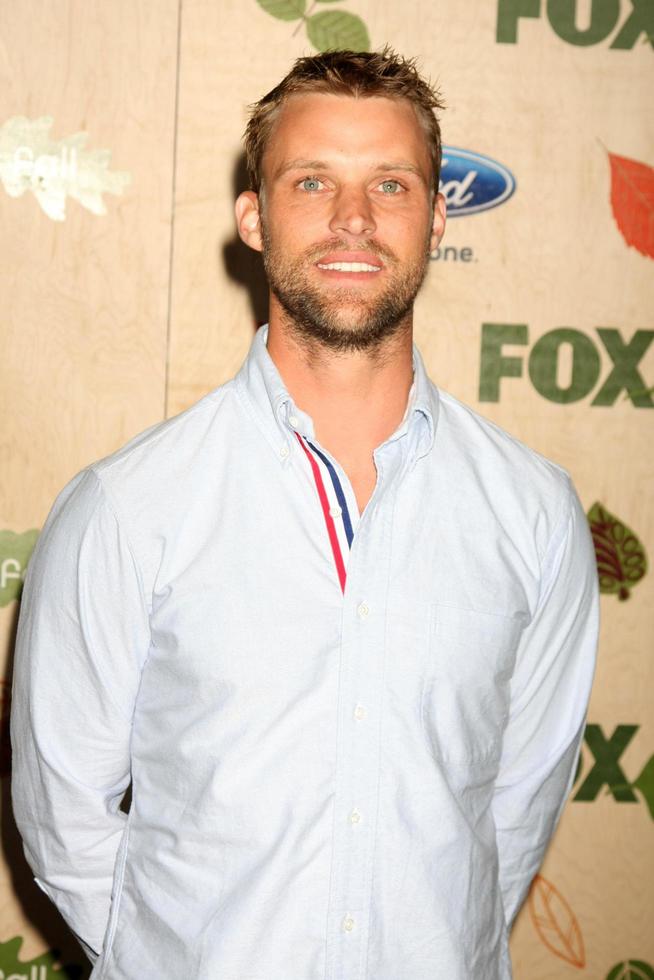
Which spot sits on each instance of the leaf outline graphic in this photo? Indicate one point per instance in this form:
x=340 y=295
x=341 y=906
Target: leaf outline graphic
x=555 y=922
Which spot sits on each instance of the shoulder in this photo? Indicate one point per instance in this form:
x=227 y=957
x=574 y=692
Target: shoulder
x=497 y=455
x=155 y=472
x=526 y=497
x=169 y=446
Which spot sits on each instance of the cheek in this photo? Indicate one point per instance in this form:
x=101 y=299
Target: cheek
x=295 y=227
x=408 y=234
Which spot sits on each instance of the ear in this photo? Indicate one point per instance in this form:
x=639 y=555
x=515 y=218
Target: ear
x=438 y=224
x=248 y=220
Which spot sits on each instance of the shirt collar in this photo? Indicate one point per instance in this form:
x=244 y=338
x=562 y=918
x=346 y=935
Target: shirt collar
x=279 y=417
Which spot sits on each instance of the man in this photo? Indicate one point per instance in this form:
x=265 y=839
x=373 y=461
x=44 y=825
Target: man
x=338 y=630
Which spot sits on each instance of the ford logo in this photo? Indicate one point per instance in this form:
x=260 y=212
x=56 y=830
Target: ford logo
x=471 y=182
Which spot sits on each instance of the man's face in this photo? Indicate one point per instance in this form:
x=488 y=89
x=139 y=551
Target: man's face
x=347 y=216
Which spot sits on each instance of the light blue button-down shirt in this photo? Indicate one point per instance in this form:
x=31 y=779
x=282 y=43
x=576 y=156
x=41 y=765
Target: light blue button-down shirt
x=326 y=785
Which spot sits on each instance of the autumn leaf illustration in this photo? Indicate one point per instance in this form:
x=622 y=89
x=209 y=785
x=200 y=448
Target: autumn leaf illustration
x=555 y=922
x=632 y=201
x=631 y=970
x=621 y=558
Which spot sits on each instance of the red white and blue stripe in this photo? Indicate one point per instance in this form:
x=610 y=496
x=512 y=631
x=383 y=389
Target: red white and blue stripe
x=338 y=517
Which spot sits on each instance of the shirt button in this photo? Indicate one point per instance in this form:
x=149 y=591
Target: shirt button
x=283 y=452
x=335 y=511
x=293 y=419
x=362 y=610
x=359 y=712
x=355 y=817
x=348 y=923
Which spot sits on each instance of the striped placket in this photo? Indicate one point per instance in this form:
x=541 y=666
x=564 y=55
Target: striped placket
x=339 y=521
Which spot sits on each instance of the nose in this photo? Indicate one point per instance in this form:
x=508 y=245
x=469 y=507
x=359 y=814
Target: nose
x=352 y=214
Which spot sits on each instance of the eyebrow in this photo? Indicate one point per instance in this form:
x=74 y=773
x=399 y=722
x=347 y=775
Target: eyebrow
x=302 y=164
x=401 y=165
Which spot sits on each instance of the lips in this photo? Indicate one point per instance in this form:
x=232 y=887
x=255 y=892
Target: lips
x=351 y=262
x=349 y=267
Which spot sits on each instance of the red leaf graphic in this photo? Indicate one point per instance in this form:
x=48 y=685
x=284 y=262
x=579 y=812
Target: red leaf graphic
x=632 y=200
x=555 y=922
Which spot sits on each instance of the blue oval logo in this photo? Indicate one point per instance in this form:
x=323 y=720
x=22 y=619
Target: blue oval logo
x=471 y=182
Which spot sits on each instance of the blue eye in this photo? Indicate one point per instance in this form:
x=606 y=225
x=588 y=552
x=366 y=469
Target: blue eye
x=310 y=184
x=391 y=186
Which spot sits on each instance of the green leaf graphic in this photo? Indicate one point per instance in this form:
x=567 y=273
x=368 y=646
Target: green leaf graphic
x=15 y=551
x=621 y=558
x=631 y=970
x=332 y=30
x=284 y=9
x=43 y=967
x=645 y=783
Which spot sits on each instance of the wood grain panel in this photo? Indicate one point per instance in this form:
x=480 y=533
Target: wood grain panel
x=85 y=301
x=85 y=307
x=84 y=311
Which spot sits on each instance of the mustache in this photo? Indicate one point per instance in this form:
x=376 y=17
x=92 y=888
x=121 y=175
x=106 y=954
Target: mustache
x=371 y=247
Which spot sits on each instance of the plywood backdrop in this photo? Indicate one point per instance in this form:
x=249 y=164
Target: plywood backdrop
x=111 y=321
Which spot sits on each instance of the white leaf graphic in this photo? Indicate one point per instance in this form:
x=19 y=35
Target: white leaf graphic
x=55 y=169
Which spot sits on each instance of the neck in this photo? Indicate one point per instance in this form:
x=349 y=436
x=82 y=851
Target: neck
x=356 y=398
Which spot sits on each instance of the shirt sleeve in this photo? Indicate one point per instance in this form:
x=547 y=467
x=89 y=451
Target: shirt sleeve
x=83 y=635
x=550 y=690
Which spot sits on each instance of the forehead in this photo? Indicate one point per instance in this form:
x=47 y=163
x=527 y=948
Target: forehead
x=340 y=128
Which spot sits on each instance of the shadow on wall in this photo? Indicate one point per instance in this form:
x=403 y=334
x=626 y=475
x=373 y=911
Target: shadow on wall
x=35 y=906
x=243 y=265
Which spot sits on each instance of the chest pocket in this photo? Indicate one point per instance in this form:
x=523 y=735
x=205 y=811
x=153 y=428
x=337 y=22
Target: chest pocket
x=465 y=698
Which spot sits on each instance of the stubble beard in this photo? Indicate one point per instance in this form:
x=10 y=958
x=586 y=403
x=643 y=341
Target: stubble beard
x=340 y=318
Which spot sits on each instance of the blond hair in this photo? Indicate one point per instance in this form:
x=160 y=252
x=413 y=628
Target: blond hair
x=354 y=73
